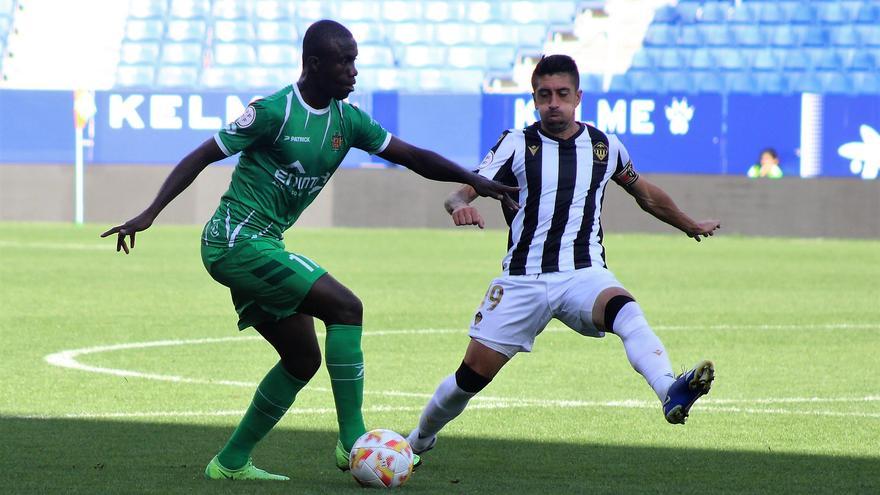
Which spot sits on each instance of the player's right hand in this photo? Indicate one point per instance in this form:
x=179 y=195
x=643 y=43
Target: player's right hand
x=492 y=189
x=467 y=215
x=130 y=228
x=705 y=228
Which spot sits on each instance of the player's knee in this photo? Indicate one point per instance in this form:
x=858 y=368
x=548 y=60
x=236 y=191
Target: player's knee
x=469 y=380
x=351 y=309
x=302 y=364
x=613 y=308
x=623 y=316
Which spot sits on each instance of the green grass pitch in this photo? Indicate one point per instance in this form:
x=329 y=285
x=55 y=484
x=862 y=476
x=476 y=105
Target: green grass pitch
x=163 y=375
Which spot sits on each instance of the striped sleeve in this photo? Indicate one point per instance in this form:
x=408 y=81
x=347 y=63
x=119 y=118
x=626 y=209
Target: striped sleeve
x=624 y=173
x=497 y=156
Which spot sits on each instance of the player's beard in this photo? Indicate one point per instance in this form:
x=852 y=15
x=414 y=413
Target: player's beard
x=557 y=126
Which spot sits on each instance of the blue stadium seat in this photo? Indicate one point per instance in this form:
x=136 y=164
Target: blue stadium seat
x=591 y=83
x=799 y=12
x=181 y=30
x=660 y=35
x=770 y=82
x=869 y=35
x=519 y=15
x=835 y=82
x=228 y=31
x=150 y=30
x=467 y=57
x=715 y=11
x=826 y=59
x=687 y=12
x=367 y=32
x=666 y=15
x=272 y=32
x=715 y=34
x=401 y=11
x=234 y=54
x=816 y=36
x=440 y=11
x=177 y=77
x=561 y=12
x=497 y=34
x=702 y=59
x=729 y=59
x=274 y=10
x=765 y=60
x=641 y=60
x=275 y=54
x=864 y=60
x=787 y=36
x=375 y=56
x=868 y=13
x=743 y=13
x=708 y=82
x=310 y=11
x=135 y=75
x=270 y=79
x=466 y=81
x=805 y=82
x=832 y=13
x=689 y=35
x=223 y=77
x=644 y=82
x=456 y=33
x=139 y=53
x=416 y=56
x=181 y=54
x=408 y=33
x=137 y=9
x=188 y=9
x=866 y=83
x=677 y=82
x=739 y=82
x=620 y=84
x=795 y=60
x=532 y=35
x=480 y=12
x=771 y=13
x=231 y=10
x=358 y=11
x=844 y=36
x=747 y=35
x=668 y=58
x=501 y=57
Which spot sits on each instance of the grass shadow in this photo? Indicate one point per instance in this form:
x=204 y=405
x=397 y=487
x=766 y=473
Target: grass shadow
x=114 y=456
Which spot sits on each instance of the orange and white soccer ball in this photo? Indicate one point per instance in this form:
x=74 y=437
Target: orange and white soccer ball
x=381 y=459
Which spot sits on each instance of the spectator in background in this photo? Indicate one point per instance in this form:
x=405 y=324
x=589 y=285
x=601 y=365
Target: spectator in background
x=767 y=166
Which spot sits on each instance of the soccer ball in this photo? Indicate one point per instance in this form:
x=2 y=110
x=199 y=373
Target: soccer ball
x=381 y=459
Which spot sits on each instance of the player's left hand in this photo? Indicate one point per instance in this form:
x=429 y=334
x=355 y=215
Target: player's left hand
x=130 y=228
x=492 y=189
x=705 y=228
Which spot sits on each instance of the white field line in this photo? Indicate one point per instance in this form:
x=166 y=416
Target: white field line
x=68 y=359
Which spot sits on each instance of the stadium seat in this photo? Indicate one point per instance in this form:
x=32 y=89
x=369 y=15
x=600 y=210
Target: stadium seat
x=867 y=14
x=234 y=54
x=687 y=12
x=690 y=35
x=864 y=60
x=677 y=82
x=826 y=59
x=400 y=11
x=150 y=30
x=135 y=75
x=866 y=83
x=666 y=15
x=274 y=10
x=525 y=12
x=408 y=33
x=375 y=56
x=223 y=77
x=180 y=30
x=816 y=36
x=831 y=13
x=497 y=34
x=620 y=84
x=715 y=12
x=440 y=11
x=278 y=54
x=367 y=32
x=770 y=82
x=416 y=56
x=358 y=11
x=478 y=11
x=644 y=82
x=642 y=60
x=869 y=35
x=181 y=54
x=804 y=83
x=231 y=10
x=501 y=57
x=795 y=60
x=467 y=57
x=739 y=82
x=765 y=60
x=273 y=32
x=835 y=82
x=729 y=59
x=229 y=31
x=715 y=34
x=561 y=12
x=787 y=36
x=708 y=82
x=591 y=83
x=188 y=9
x=669 y=58
x=701 y=59
x=139 y=53
x=270 y=79
x=743 y=13
x=310 y=11
x=660 y=35
x=532 y=35
x=177 y=77
x=466 y=81
x=456 y=33
x=844 y=36
x=137 y=9
x=771 y=13
x=748 y=35
x=799 y=12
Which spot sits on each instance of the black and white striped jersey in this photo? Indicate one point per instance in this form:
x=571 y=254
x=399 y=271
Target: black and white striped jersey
x=562 y=187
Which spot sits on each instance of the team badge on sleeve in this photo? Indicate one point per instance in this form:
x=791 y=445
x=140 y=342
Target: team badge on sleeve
x=628 y=176
x=247 y=118
x=488 y=160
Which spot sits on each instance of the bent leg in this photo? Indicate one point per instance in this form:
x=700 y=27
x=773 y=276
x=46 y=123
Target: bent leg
x=616 y=311
x=479 y=367
x=294 y=339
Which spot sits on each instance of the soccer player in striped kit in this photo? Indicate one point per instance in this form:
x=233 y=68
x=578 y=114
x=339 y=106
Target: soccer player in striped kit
x=555 y=263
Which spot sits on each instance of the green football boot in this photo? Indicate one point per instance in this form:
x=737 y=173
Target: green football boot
x=342 y=458
x=214 y=471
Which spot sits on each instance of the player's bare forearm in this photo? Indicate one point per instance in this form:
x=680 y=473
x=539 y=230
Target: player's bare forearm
x=458 y=205
x=460 y=198
x=655 y=201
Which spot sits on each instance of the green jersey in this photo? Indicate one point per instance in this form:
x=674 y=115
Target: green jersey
x=289 y=150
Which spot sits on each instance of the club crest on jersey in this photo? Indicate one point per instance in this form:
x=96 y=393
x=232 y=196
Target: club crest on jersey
x=336 y=141
x=478 y=318
x=247 y=118
x=488 y=160
x=600 y=150
x=534 y=148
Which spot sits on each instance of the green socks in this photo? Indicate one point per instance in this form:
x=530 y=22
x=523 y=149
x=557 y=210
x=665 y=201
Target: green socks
x=345 y=363
x=274 y=396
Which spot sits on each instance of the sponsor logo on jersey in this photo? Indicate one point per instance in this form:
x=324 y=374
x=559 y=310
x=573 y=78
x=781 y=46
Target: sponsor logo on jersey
x=298 y=139
x=478 y=318
x=488 y=160
x=534 y=148
x=336 y=141
x=601 y=151
x=247 y=118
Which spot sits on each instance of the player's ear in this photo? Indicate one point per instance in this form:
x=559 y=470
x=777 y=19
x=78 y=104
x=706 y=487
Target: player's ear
x=580 y=93
x=312 y=62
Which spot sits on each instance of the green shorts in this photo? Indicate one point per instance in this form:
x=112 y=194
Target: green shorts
x=267 y=283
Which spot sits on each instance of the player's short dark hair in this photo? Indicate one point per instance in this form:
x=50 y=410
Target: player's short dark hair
x=770 y=151
x=321 y=37
x=556 y=64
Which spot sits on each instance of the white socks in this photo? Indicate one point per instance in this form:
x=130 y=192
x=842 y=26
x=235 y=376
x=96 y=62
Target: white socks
x=644 y=350
x=447 y=403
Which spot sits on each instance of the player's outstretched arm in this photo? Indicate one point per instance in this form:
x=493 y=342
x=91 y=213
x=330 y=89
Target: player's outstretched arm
x=656 y=202
x=458 y=204
x=179 y=179
x=432 y=166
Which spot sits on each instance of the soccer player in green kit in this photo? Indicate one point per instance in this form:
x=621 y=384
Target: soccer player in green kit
x=291 y=143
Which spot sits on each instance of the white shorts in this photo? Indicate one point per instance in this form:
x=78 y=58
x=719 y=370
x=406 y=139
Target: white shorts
x=517 y=308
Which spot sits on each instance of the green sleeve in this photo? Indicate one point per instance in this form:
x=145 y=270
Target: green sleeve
x=366 y=133
x=258 y=125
